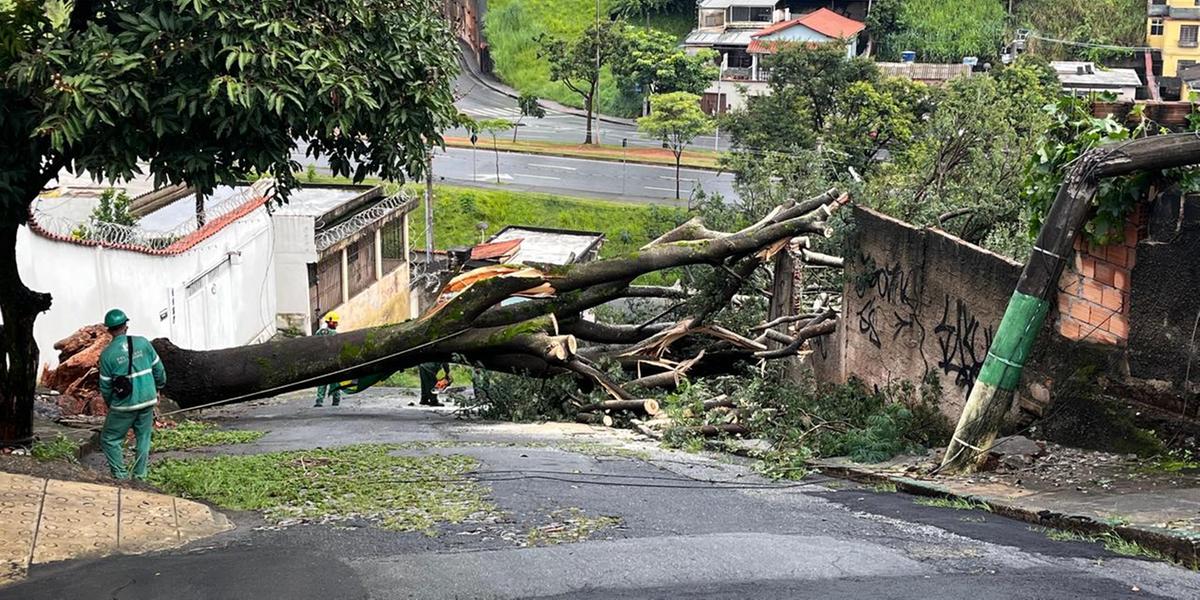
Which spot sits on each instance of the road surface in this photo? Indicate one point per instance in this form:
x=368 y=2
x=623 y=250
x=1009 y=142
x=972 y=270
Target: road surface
x=690 y=527
x=482 y=102
x=576 y=177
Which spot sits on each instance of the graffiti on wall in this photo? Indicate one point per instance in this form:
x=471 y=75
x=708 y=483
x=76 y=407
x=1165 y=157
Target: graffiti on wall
x=963 y=343
x=889 y=308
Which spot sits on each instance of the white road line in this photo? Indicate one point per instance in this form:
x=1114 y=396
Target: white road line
x=538 y=176
x=672 y=190
x=559 y=167
x=673 y=179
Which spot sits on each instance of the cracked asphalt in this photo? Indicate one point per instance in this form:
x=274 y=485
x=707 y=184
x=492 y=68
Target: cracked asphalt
x=690 y=526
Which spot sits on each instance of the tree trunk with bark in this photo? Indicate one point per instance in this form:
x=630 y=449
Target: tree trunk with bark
x=474 y=328
x=19 y=308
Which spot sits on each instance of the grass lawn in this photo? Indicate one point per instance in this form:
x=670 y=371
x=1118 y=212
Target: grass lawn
x=513 y=26
x=457 y=211
x=703 y=159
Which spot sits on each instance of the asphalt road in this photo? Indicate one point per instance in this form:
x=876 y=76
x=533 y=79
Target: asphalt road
x=482 y=102
x=574 y=176
x=690 y=527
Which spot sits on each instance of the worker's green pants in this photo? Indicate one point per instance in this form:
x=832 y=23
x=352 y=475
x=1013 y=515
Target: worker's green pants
x=333 y=390
x=116 y=426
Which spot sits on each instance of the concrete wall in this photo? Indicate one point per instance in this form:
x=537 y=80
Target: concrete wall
x=1164 y=311
x=917 y=303
x=294 y=250
x=219 y=293
x=386 y=301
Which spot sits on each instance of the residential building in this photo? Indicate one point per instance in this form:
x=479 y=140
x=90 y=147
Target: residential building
x=1083 y=78
x=239 y=274
x=205 y=286
x=343 y=249
x=1173 y=26
x=745 y=32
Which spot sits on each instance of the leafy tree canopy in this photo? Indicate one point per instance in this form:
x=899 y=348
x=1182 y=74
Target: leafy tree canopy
x=654 y=60
x=204 y=91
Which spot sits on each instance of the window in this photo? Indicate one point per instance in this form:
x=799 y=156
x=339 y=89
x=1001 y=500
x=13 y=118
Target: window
x=1188 y=35
x=749 y=14
x=1156 y=26
x=712 y=18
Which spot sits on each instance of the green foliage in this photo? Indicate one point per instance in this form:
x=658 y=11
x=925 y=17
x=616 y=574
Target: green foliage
x=815 y=76
x=1073 y=131
x=940 y=31
x=1111 y=22
x=676 y=119
x=961 y=170
x=205 y=91
x=517 y=398
x=60 y=448
x=197 y=434
x=804 y=420
x=653 y=60
x=530 y=106
x=457 y=210
x=628 y=9
x=954 y=503
x=577 y=61
x=402 y=493
x=113 y=208
x=409 y=378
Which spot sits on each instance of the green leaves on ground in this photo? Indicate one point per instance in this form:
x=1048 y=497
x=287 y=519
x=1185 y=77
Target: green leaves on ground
x=196 y=434
x=803 y=420
x=59 y=448
x=402 y=493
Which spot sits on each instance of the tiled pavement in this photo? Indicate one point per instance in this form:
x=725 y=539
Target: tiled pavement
x=47 y=520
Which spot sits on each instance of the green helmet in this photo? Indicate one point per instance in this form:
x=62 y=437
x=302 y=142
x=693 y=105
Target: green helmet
x=115 y=318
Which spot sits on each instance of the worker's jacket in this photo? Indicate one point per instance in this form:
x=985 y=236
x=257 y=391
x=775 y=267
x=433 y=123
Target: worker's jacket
x=147 y=374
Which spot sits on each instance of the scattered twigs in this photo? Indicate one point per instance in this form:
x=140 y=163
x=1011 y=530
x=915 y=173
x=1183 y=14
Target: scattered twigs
x=822 y=325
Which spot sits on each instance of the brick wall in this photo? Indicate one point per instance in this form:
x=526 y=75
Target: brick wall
x=1094 y=291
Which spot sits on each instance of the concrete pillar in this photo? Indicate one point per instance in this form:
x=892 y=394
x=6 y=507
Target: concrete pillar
x=378 y=254
x=345 y=277
x=754 y=67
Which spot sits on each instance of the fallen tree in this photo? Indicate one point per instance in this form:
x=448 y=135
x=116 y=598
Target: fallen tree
x=473 y=327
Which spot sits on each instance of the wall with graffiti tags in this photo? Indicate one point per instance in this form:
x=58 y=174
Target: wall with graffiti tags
x=917 y=304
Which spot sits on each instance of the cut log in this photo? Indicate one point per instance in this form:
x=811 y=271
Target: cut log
x=594 y=419
x=649 y=407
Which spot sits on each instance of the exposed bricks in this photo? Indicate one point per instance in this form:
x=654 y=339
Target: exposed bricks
x=1093 y=303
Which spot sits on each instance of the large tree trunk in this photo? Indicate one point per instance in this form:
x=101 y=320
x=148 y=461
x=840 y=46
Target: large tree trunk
x=19 y=308
x=475 y=328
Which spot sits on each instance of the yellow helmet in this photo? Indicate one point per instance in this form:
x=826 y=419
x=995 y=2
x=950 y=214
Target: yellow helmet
x=332 y=317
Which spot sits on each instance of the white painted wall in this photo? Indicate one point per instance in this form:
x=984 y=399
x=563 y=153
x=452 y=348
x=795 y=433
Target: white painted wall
x=736 y=92
x=295 y=248
x=220 y=293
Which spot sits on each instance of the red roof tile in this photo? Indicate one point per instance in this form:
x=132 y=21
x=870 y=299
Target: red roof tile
x=823 y=21
x=495 y=249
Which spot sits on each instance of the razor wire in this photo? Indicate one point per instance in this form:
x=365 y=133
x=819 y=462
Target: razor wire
x=362 y=220
x=114 y=234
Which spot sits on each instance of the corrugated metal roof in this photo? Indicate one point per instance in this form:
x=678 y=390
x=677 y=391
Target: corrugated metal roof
x=495 y=250
x=729 y=37
x=549 y=246
x=924 y=71
x=728 y=3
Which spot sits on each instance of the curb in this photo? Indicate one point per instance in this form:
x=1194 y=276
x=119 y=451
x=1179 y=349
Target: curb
x=473 y=70
x=1184 y=549
x=613 y=159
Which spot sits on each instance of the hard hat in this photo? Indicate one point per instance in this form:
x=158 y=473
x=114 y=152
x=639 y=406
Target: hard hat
x=332 y=316
x=115 y=318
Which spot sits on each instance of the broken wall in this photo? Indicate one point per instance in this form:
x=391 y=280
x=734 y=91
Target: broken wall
x=918 y=305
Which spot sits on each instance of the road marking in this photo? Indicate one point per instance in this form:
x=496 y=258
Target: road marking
x=538 y=176
x=673 y=179
x=491 y=177
x=560 y=167
x=672 y=190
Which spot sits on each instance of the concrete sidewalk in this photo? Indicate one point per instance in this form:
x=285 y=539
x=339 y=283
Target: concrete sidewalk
x=48 y=520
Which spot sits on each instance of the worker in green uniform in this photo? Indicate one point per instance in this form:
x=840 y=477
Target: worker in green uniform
x=130 y=377
x=333 y=390
x=431 y=384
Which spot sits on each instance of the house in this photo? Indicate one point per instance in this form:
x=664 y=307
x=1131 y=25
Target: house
x=1173 y=27
x=1083 y=78
x=239 y=274
x=205 y=285
x=927 y=73
x=744 y=32
x=343 y=249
